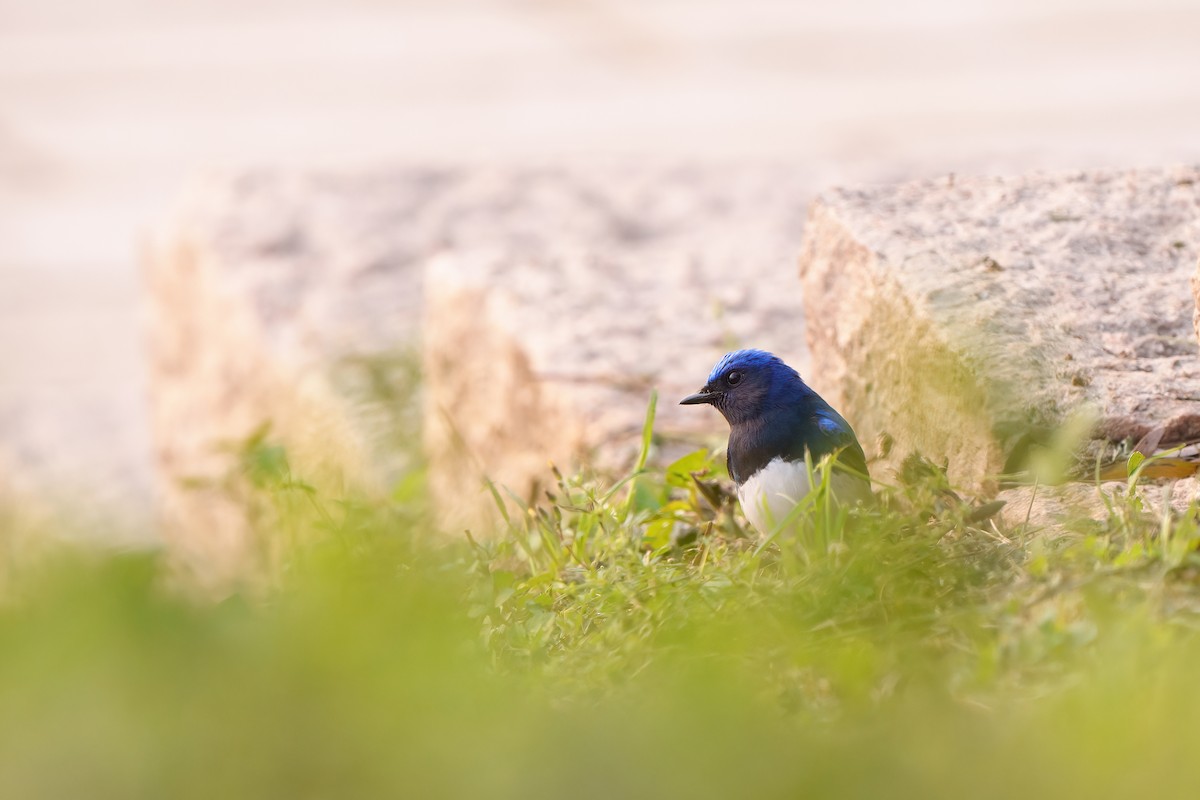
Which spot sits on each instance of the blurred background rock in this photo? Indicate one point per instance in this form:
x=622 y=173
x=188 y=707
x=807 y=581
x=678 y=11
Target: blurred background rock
x=106 y=107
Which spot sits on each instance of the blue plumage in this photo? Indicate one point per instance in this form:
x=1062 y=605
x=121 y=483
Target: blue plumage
x=774 y=419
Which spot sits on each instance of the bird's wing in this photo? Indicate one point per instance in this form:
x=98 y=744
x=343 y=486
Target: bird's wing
x=837 y=437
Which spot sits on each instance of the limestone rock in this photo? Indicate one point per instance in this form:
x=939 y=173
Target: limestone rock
x=556 y=299
x=544 y=340
x=1196 y=296
x=957 y=315
x=1034 y=509
x=272 y=298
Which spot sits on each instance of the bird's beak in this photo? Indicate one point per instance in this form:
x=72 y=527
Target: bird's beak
x=702 y=396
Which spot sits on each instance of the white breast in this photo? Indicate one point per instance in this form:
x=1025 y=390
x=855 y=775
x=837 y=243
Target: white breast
x=770 y=494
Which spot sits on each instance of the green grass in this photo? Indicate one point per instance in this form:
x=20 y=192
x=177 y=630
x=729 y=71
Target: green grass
x=624 y=638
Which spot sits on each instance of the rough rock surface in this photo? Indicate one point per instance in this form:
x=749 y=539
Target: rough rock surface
x=263 y=290
x=1196 y=297
x=958 y=315
x=544 y=340
x=1032 y=509
x=557 y=298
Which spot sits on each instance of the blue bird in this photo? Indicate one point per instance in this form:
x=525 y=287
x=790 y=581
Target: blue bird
x=774 y=419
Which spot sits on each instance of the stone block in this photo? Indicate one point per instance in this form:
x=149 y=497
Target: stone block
x=957 y=315
x=1196 y=297
x=1030 y=509
x=275 y=298
x=556 y=299
x=545 y=346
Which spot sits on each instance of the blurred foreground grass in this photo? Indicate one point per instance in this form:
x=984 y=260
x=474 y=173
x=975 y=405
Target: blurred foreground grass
x=622 y=639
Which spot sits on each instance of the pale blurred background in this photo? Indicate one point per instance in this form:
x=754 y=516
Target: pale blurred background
x=107 y=106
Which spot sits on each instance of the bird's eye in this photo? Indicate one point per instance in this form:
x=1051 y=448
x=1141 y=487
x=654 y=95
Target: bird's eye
x=733 y=378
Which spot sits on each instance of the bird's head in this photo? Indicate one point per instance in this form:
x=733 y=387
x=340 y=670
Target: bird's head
x=745 y=383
